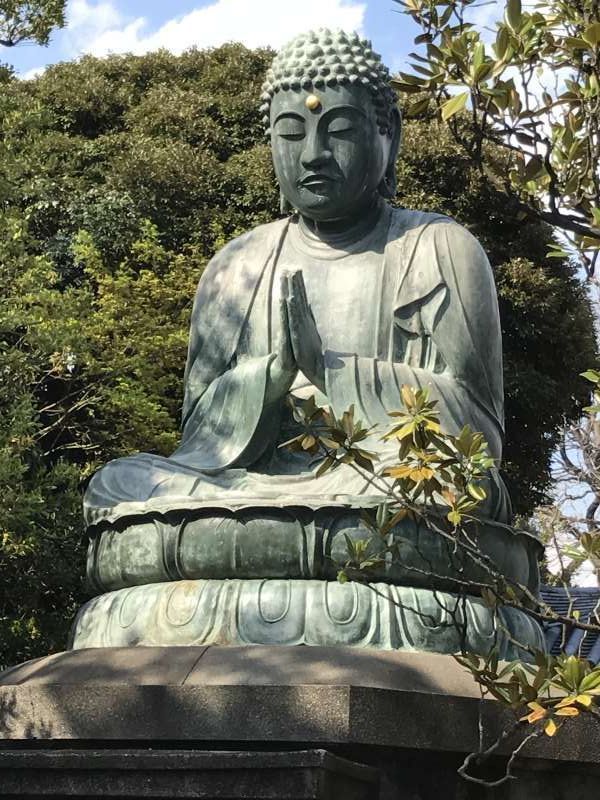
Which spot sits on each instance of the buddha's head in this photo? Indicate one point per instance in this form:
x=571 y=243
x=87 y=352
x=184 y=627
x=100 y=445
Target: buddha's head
x=334 y=125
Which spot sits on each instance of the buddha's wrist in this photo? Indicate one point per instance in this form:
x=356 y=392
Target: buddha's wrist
x=279 y=380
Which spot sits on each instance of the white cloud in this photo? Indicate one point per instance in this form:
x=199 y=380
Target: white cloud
x=32 y=73
x=100 y=29
x=92 y=17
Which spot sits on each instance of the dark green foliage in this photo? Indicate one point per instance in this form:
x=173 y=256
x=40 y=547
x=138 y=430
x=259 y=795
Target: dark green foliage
x=118 y=180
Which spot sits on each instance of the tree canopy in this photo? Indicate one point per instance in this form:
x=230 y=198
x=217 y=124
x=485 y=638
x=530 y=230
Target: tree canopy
x=30 y=20
x=119 y=178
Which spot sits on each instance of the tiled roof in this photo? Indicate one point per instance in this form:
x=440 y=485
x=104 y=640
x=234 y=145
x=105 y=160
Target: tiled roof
x=574 y=641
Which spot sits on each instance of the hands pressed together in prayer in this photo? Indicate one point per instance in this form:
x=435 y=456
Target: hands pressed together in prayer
x=300 y=346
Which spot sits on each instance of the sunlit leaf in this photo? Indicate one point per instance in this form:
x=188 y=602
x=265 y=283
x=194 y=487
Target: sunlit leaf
x=454 y=105
x=476 y=491
x=513 y=14
x=567 y=711
x=585 y=700
x=592 y=34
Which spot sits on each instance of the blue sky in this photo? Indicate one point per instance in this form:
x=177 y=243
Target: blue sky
x=103 y=26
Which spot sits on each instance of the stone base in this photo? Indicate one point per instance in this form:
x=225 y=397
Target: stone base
x=154 y=722
x=295 y=612
x=231 y=775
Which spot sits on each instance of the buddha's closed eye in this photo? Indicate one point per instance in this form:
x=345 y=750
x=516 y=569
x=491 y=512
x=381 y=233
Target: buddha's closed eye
x=340 y=127
x=291 y=128
x=291 y=135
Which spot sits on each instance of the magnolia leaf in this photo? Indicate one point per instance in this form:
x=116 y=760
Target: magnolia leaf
x=585 y=700
x=363 y=462
x=591 y=681
x=478 y=56
x=576 y=43
x=398 y=472
x=557 y=252
x=329 y=443
x=592 y=34
x=590 y=243
x=445 y=18
x=476 y=491
x=405 y=430
x=406 y=88
x=567 y=711
x=454 y=105
x=415 y=109
x=449 y=497
x=550 y=728
x=483 y=72
x=535 y=716
x=566 y=701
x=421 y=474
x=514 y=14
x=408 y=396
x=591 y=375
x=326 y=465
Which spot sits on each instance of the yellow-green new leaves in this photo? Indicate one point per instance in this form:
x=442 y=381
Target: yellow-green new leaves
x=547 y=693
x=432 y=464
x=454 y=105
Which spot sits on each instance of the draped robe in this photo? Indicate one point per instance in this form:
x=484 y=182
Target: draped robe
x=435 y=324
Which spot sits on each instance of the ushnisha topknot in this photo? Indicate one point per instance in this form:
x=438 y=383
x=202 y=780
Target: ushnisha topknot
x=322 y=58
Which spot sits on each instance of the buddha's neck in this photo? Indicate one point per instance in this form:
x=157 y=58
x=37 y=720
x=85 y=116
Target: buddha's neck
x=341 y=232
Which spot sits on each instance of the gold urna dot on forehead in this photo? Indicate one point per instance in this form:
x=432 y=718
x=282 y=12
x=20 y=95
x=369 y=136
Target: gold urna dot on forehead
x=313 y=102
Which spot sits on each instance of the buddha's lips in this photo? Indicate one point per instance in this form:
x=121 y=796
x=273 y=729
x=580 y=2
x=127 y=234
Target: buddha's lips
x=315 y=180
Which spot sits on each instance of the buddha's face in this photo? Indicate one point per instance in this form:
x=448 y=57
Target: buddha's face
x=329 y=159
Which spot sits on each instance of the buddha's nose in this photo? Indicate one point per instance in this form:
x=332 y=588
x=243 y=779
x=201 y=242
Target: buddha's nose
x=315 y=152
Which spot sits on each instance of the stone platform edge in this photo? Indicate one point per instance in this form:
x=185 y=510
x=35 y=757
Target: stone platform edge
x=292 y=696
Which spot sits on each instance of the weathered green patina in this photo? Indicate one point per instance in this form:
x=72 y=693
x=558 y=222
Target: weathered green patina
x=346 y=298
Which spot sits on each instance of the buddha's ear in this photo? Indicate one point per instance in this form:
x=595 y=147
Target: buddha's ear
x=389 y=185
x=285 y=207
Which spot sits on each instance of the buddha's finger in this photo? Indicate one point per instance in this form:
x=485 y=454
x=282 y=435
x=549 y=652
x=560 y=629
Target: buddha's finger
x=284 y=284
x=283 y=318
x=285 y=341
x=296 y=324
x=299 y=302
x=299 y=288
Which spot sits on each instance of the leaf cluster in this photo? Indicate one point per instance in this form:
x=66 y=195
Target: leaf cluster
x=535 y=93
x=546 y=693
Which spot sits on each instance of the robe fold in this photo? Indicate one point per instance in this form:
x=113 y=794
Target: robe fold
x=435 y=323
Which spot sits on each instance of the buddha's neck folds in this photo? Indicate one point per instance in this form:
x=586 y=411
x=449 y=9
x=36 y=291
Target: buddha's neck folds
x=340 y=233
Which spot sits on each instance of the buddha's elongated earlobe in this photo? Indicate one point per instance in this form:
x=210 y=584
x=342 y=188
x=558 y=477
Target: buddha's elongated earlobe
x=389 y=185
x=284 y=205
